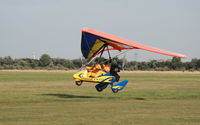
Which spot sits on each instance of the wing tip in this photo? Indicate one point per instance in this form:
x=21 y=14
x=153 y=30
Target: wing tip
x=181 y=56
x=85 y=29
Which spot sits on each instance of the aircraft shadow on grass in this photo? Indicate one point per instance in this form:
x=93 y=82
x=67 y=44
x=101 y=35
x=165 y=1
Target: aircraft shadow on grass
x=79 y=96
x=70 y=96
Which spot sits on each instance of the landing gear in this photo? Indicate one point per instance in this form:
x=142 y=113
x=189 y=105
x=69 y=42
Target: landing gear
x=101 y=86
x=78 y=83
x=99 y=89
x=115 y=91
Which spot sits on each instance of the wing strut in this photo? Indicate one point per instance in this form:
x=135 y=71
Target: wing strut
x=109 y=54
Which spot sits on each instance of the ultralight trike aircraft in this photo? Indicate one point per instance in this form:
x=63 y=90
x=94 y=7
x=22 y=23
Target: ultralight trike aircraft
x=95 y=43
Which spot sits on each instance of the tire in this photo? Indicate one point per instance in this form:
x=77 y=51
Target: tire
x=78 y=83
x=115 y=91
x=99 y=89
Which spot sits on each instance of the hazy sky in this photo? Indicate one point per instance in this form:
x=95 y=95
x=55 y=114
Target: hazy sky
x=36 y=27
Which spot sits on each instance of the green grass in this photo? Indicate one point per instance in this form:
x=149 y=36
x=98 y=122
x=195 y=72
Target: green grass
x=52 y=98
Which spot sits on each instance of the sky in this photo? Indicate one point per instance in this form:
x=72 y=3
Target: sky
x=35 y=27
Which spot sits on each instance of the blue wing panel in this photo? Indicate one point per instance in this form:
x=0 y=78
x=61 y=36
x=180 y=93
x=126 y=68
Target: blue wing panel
x=87 y=42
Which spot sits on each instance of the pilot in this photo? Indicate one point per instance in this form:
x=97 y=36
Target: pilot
x=106 y=67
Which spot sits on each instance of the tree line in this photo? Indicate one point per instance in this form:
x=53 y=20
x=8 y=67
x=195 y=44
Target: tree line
x=46 y=62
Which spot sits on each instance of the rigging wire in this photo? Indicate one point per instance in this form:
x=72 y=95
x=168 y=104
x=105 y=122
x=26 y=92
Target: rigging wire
x=106 y=60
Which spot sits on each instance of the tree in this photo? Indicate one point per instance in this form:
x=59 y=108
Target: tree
x=198 y=64
x=176 y=63
x=45 y=60
x=152 y=64
x=7 y=60
x=77 y=63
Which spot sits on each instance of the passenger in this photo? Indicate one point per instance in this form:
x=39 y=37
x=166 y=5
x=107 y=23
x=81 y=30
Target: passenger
x=98 y=70
x=105 y=68
x=94 y=71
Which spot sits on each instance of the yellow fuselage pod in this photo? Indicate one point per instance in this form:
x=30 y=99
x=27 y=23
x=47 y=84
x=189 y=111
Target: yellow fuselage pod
x=82 y=76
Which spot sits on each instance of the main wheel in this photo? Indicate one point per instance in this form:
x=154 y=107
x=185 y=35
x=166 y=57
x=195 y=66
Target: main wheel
x=99 y=89
x=78 y=83
x=115 y=91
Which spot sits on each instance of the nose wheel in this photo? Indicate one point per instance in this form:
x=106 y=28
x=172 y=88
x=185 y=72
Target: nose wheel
x=78 y=83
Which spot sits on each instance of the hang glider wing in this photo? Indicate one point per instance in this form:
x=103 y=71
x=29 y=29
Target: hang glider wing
x=92 y=42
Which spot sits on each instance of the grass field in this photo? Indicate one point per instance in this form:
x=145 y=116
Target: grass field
x=52 y=98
